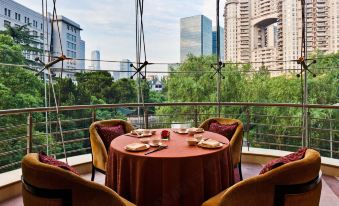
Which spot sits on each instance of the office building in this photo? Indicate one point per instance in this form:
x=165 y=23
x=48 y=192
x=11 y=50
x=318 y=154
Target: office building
x=214 y=42
x=82 y=54
x=14 y=14
x=264 y=30
x=125 y=69
x=195 y=36
x=95 y=57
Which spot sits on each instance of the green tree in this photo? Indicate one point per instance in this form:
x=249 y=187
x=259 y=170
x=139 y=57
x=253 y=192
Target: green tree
x=22 y=36
x=10 y=52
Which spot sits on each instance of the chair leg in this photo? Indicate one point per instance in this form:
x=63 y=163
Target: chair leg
x=240 y=171
x=93 y=173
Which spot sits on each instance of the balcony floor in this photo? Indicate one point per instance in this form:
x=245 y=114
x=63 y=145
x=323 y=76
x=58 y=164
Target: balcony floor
x=329 y=193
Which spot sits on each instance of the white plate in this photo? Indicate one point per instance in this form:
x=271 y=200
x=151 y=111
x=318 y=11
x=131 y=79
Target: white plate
x=138 y=150
x=181 y=132
x=208 y=147
x=138 y=132
x=199 y=130
x=155 y=145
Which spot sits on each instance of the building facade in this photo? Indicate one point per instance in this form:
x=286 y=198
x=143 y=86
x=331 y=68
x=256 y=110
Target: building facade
x=95 y=57
x=195 y=36
x=14 y=14
x=214 y=42
x=125 y=69
x=81 y=63
x=271 y=31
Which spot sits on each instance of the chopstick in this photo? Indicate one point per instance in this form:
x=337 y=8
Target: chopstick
x=158 y=149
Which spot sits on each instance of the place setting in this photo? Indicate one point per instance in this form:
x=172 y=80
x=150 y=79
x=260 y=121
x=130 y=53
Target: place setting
x=190 y=131
x=199 y=140
x=145 y=144
x=141 y=133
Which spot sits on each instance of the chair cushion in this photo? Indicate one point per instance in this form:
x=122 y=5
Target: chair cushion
x=298 y=155
x=108 y=133
x=44 y=158
x=226 y=130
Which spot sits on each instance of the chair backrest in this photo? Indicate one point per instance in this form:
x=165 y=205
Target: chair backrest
x=44 y=184
x=295 y=183
x=99 y=152
x=236 y=140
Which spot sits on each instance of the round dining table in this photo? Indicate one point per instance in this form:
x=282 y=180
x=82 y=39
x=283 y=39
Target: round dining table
x=175 y=176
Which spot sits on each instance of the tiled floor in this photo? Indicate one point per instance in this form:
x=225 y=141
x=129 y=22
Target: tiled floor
x=329 y=194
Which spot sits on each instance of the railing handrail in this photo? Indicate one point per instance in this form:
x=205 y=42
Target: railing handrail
x=103 y=106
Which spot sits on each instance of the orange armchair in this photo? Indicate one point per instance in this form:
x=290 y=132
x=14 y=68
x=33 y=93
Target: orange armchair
x=236 y=140
x=99 y=152
x=43 y=184
x=295 y=183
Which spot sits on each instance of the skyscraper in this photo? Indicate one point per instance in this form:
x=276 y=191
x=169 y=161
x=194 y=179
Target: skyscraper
x=270 y=30
x=81 y=63
x=125 y=69
x=95 y=57
x=214 y=42
x=195 y=36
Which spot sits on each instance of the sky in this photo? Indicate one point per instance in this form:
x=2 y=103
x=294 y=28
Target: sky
x=109 y=25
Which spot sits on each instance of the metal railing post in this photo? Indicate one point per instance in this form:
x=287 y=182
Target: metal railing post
x=196 y=116
x=307 y=132
x=29 y=132
x=94 y=115
x=146 y=117
x=331 y=139
x=248 y=119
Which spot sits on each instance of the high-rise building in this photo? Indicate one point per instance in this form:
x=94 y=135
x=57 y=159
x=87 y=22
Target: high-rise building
x=125 y=69
x=81 y=63
x=270 y=30
x=237 y=30
x=195 y=36
x=15 y=14
x=69 y=43
x=214 y=42
x=95 y=57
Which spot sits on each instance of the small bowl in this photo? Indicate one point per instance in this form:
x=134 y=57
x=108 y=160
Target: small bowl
x=182 y=130
x=145 y=140
x=198 y=137
x=147 y=132
x=192 y=141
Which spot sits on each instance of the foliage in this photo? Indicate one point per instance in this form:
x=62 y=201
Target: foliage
x=22 y=37
x=10 y=52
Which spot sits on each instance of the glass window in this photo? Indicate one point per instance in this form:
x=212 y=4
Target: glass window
x=7 y=23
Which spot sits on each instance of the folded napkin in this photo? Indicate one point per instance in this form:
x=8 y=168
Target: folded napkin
x=136 y=146
x=210 y=143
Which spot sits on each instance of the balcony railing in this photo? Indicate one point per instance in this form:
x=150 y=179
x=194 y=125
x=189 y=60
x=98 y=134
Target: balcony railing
x=35 y=129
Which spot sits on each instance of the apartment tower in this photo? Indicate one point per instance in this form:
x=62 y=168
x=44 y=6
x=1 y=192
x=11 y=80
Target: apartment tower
x=271 y=30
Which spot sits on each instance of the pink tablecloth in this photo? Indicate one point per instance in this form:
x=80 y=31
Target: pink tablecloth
x=180 y=175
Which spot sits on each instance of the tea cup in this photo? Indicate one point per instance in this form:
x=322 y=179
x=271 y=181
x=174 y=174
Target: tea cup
x=156 y=141
x=191 y=141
